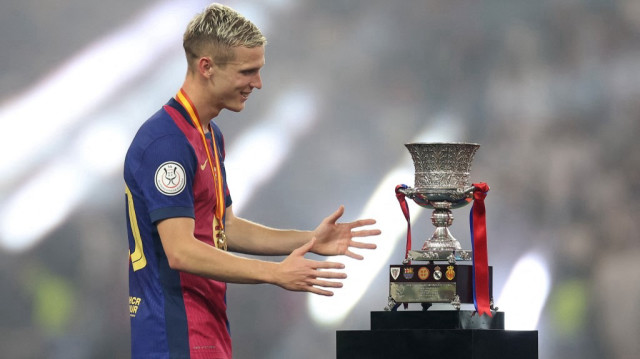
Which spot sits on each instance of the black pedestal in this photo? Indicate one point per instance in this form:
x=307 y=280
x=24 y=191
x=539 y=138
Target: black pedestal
x=436 y=334
x=436 y=319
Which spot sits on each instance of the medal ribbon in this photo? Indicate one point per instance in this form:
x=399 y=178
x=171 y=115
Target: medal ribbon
x=405 y=210
x=214 y=162
x=477 y=220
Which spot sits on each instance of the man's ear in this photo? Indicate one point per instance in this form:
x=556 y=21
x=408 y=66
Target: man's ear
x=205 y=67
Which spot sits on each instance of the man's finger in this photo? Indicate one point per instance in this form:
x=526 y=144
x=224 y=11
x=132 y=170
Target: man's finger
x=326 y=283
x=319 y=291
x=329 y=274
x=366 y=233
x=327 y=265
x=350 y=254
x=362 y=222
x=333 y=217
x=362 y=245
x=305 y=248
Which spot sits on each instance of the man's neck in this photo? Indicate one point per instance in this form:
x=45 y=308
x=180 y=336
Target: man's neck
x=204 y=110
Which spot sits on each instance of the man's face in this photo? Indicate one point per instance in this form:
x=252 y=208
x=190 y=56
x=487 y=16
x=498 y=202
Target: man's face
x=232 y=83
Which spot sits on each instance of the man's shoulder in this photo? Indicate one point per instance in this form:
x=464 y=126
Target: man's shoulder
x=159 y=124
x=157 y=134
x=156 y=127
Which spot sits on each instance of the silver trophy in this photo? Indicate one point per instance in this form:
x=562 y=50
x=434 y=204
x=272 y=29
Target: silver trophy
x=441 y=184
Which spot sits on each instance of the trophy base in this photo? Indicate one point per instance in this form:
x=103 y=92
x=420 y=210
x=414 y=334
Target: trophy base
x=448 y=255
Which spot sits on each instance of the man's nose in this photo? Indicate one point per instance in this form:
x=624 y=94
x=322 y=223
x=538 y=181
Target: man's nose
x=256 y=82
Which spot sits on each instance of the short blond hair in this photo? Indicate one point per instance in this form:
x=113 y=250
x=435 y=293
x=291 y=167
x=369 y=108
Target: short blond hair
x=215 y=31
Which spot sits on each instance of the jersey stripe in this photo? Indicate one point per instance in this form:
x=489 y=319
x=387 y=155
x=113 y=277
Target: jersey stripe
x=138 y=259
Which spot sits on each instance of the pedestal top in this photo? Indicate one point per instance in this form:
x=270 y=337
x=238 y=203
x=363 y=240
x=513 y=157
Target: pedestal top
x=435 y=319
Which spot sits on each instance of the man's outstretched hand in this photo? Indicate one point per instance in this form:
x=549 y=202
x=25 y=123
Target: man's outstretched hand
x=334 y=238
x=296 y=273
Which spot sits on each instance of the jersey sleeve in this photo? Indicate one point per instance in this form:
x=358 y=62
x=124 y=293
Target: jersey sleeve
x=165 y=175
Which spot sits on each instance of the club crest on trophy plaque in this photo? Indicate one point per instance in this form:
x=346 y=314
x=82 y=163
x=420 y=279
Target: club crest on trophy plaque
x=447 y=272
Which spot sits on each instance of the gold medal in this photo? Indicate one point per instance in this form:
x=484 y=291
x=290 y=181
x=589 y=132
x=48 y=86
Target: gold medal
x=221 y=241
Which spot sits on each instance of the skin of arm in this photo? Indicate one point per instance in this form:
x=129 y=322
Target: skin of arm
x=296 y=273
x=248 y=237
x=332 y=238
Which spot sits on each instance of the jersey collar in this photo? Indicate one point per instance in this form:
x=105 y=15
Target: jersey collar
x=176 y=105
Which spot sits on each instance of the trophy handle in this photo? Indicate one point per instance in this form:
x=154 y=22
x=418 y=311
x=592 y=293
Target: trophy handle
x=407 y=191
x=411 y=192
x=424 y=198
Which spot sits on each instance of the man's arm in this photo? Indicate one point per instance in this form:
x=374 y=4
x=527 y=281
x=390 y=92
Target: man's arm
x=332 y=238
x=248 y=237
x=186 y=253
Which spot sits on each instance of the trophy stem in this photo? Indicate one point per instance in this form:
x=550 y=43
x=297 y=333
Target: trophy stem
x=442 y=218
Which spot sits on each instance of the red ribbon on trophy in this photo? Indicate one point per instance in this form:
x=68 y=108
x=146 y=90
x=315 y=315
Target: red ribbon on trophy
x=405 y=210
x=477 y=221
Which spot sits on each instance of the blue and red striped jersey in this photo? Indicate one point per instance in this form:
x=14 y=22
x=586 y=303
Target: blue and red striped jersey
x=173 y=314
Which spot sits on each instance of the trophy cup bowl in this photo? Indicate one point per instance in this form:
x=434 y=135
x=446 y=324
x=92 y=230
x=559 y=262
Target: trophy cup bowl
x=441 y=184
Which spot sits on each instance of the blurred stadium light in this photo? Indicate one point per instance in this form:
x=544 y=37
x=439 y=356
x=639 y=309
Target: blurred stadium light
x=525 y=293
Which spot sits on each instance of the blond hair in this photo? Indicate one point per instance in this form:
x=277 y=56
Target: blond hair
x=215 y=31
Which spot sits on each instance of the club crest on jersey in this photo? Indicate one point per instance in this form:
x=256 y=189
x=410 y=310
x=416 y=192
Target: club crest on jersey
x=170 y=178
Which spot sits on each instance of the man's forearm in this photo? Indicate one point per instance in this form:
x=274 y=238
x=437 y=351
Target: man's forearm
x=208 y=261
x=252 y=238
x=188 y=254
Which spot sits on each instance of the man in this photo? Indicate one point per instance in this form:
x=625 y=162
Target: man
x=179 y=212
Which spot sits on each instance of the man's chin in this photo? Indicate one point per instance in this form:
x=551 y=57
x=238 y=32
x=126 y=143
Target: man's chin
x=236 y=108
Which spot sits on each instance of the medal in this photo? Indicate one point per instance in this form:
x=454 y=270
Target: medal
x=221 y=241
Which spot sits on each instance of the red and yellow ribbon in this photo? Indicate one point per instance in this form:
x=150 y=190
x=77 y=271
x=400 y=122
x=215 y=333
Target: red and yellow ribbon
x=214 y=165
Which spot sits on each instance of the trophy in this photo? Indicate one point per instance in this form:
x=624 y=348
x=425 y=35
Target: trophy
x=441 y=272
x=441 y=184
